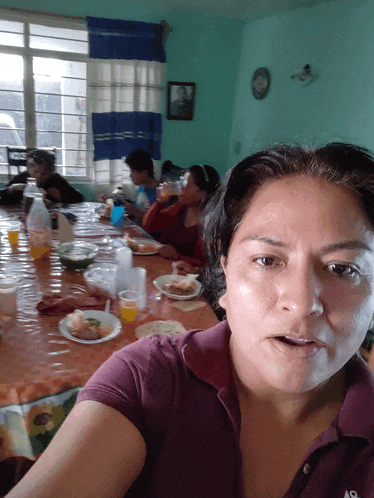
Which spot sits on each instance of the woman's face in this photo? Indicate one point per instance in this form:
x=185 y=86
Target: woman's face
x=191 y=194
x=38 y=171
x=300 y=283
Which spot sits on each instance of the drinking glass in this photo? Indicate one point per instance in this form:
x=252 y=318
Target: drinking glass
x=8 y=294
x=129 y=305
x=13 y=228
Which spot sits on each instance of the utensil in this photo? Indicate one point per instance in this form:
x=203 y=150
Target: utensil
x=107 y=306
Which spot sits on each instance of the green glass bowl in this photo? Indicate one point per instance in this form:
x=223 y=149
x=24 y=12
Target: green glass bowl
x=77 y=255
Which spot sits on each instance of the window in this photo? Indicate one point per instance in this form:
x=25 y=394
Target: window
x=43 y=89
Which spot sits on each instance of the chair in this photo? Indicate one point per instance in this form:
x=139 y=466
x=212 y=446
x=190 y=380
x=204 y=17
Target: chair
x=16 y=158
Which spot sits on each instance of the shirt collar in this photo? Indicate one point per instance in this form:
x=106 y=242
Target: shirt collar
x=207 y=355
x=356 y=417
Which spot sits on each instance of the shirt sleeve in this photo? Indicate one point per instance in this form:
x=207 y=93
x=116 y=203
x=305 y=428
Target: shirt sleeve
x=130 y=381
x=68 y=193
x=157 y=218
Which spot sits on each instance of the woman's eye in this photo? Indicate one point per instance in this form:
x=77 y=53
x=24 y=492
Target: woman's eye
x=344 y=271
x=267 y=261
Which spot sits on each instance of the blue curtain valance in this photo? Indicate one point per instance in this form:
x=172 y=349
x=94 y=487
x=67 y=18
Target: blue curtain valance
x=119 y=39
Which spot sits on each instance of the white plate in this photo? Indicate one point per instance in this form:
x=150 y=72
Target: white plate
x=160 y=281
x=145 y=241
x=105 y=319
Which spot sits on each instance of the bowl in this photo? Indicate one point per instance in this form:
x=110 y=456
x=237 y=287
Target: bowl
x=100 y=278
x=160 y=282
x=76 y=255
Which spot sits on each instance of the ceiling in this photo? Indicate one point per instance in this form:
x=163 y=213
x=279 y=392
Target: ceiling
x=239 y=9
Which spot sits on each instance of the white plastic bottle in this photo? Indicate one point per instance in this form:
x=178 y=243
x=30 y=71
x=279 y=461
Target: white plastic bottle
x=28 y=195
x=39 y=227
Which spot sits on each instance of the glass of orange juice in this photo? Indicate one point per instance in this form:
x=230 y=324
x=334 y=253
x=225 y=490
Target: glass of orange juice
x=129 y=305
x=13 y=229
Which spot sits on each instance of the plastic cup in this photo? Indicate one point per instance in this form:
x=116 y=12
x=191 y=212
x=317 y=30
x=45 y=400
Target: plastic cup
x=129 y=305
x=136 y=281
x=8 y=294
x=13 y=229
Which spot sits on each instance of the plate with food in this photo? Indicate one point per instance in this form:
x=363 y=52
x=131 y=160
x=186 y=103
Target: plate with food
x=90 y=326
x=178 y=287
x=142 y=247
x=164 y=327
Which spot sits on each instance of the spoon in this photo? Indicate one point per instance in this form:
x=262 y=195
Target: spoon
x=107 y=306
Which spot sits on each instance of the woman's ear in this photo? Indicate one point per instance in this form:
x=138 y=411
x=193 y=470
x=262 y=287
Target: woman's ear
x=222 y=301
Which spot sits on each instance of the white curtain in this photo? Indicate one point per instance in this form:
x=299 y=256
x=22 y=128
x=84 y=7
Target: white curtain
x=123 y=95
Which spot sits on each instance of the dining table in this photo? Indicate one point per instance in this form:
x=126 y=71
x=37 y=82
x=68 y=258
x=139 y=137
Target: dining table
x=42 y=371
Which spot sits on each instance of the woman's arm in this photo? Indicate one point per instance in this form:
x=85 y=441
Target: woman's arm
x=97 y=453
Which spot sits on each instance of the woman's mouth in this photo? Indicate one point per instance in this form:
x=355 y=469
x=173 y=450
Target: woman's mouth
x=295 y=345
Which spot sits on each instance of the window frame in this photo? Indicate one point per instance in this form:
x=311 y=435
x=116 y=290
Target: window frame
x=28 y=53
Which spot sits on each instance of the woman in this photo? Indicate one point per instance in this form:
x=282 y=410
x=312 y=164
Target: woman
x=274 y=402
x=41 y=166
x=179 y=225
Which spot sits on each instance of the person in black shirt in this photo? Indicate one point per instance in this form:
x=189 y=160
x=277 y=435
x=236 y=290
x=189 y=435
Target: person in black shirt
x=41 y=166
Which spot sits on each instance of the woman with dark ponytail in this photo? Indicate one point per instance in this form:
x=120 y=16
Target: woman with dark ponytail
x=180 y=223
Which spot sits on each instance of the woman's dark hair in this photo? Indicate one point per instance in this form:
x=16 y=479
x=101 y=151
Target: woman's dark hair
x=343 y=164
x=139 y=160
x=206 y=178
x=44 y=157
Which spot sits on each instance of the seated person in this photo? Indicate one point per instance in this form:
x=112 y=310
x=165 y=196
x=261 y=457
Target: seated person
x=41 y=166
x=142 y=174
x=180 y=223
x=276 y=401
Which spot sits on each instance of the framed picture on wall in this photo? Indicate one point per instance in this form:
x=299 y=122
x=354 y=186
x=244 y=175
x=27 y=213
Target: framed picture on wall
x=181 y=100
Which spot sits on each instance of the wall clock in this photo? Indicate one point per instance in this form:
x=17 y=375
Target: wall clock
x=260 y=83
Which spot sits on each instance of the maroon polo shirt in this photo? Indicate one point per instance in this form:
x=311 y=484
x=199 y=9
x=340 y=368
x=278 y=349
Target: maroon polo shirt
x=180 y=394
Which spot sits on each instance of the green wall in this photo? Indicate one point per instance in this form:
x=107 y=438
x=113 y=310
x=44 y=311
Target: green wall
x=202 y=48
x=337 y=40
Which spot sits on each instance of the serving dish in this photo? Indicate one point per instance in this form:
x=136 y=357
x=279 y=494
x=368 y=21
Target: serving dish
x=103 y=317
x=157 y=246
x=159 y=283
x=77 y=255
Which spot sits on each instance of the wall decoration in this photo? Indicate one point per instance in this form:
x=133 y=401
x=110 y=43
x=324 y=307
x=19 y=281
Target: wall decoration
x=181 y=100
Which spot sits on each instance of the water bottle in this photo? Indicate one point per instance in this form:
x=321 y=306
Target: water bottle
x=39 y=227
x=118 y=197
x=28 y=195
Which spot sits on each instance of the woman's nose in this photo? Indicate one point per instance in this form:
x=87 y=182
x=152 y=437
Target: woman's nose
x=300 y=293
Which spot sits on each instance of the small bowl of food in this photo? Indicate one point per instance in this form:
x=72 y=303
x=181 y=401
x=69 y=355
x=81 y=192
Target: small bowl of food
x=77 y=255
x=178 y=287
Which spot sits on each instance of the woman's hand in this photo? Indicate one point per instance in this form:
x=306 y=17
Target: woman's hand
x=17 y=186
x=164 y=192
x=169 y=252
x=103 y=198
